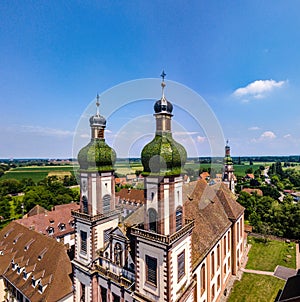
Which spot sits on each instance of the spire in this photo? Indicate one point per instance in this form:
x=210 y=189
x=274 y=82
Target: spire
x=98 y=104
x=163 y=85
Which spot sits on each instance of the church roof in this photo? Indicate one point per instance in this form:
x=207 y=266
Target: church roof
x=211 y=221
x=232 y=208
x=135 y=218
x=212 y=207
x=43 y=258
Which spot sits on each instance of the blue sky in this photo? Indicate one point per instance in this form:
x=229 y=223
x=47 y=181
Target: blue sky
x=242 y=57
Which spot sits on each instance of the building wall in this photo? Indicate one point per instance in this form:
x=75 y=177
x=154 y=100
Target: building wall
x=2 y=292
x=177 y=284
x=154 y=292
x=82 y=279
x=218 y=278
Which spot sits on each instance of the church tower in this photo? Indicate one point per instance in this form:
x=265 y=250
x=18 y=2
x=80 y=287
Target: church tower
x=97 y=215
x=163 y=242
x=228 y=171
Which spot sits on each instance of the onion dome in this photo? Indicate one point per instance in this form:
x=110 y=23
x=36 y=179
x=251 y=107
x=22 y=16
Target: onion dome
x=227 y=158
x=97 y=120
x=163 y=106
x=163 y=155
x=97 y=155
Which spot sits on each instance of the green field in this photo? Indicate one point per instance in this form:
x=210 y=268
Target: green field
x=256 y=288
x=36 y=173
x=266 y=256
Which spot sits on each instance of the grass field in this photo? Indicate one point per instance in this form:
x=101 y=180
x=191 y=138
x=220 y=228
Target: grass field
x=256 y=288
x=267 y=256
x=36 y=173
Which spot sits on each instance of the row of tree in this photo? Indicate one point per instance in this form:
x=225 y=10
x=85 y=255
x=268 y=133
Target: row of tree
x=269 y=216
x=48 y=193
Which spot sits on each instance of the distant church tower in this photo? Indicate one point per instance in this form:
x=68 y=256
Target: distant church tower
x=97 y=215
x=228 y=171
x=163 y=242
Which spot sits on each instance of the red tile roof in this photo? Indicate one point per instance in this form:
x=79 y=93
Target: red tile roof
x=132 y=195
x=204 y=175
x=41 y=257
x=211 y=220
x=61 y=215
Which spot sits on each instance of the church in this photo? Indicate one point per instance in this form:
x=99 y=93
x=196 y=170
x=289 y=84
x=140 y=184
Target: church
x=183 y=243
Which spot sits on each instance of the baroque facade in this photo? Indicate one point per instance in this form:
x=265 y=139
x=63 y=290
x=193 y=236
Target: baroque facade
x=182 y=244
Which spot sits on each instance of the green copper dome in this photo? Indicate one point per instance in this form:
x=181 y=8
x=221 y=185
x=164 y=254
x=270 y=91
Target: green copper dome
x=163 y=155
x=97 y=156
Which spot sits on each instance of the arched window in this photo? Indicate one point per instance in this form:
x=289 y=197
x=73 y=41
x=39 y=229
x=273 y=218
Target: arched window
x=178 y=218
x=118 y=253
x=152 y=220
x=85 y=204
x=106 y=203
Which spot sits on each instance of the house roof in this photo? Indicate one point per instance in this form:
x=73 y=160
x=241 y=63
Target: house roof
x=132 y=195
x=61 y=214
x=121 y=180
x=204 y=175
x=36 y=210
x=291 y=290
x=211 y=221
x=43 y=258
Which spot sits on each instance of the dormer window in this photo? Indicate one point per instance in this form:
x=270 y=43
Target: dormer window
x=17 y=238
x=14 y=266
x=40 y=287
x=41 y=255
x=62 y=226
x=25 y=275
x=72 y=223
x=19 y=270
x=51 y=220
x=9 y=231
x=50 y=230
x=33 y=282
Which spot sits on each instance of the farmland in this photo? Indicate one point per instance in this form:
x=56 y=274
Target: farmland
x=36 y=173
x=122 y=167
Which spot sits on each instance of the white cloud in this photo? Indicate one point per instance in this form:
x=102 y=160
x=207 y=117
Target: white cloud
x=184 y=133
x=44 y=131
x=267 y=135
x=84 y=135
x=201 y=139
x=253 y=128
x=287 y=136
x=257 y=89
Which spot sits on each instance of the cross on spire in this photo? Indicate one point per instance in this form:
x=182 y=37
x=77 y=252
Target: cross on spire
x=163 y=74
x=163 y=84
x=98 y=103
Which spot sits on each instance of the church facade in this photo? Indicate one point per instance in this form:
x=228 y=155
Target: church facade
x=182 y=244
